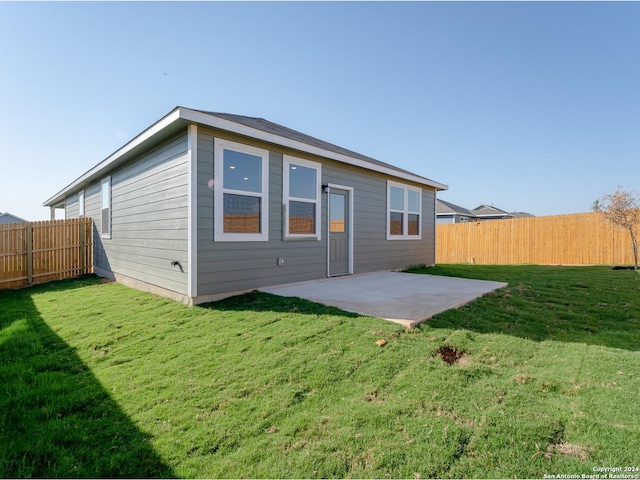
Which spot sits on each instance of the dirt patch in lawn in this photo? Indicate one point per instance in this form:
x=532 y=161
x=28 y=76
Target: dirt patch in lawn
x=450 y=354
x=569 y=450
x=562 y=449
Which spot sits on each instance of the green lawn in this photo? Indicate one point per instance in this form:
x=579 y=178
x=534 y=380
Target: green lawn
x=98 y=380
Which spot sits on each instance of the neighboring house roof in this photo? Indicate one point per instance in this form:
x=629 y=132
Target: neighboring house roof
x=257 y=128
x=521 y=214
x=489 y=211
x=482 y=211
x=448 y=208
x=7 y=217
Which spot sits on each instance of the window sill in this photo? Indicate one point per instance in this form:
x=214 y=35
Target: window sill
x=398 y=237
x=301 y=238
x=240 y=238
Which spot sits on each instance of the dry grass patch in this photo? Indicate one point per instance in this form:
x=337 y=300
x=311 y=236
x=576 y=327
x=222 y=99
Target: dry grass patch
x=562 y=449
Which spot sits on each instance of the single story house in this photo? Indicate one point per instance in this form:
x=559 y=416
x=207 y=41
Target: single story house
x=203 y=205
x=489 y=212
x=6 y=218
x=447 y=212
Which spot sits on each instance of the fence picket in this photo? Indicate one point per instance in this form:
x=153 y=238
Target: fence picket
x=36 y=252
x=574 y=239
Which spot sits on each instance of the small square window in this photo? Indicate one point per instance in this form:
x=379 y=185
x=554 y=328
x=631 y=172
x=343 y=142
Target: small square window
x=242 y=171
x=241 y=214
x=302 y=218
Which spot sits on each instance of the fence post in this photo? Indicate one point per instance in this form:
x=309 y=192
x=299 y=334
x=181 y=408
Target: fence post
x=29 y=232
x=82 y=231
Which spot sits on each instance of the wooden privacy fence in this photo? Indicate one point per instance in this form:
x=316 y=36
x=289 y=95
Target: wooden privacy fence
x=575 y=239
x=35 y=252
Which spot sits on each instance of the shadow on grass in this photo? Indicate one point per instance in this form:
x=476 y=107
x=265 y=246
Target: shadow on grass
x=591 y=305
x=266 y=302
x=56 y=419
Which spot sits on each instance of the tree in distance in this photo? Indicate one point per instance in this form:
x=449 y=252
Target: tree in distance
x=622 y=208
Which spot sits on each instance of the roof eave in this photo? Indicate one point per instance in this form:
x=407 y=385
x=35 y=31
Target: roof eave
x=182 y=115
x=223 y=124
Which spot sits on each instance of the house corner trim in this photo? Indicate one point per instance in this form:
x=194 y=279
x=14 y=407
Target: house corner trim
x=192 y=169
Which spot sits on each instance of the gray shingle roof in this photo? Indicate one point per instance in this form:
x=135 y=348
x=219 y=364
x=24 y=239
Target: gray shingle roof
x=488 y=210
x=252 y=127
x=276 y=129
x=7 y=217
x=443 y=207
x=521 y=214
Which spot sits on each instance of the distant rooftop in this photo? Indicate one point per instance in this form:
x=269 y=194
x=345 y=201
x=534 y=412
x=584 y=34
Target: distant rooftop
x=7 y=217
x=482 y=211
x=443 y=207
x=488 y=210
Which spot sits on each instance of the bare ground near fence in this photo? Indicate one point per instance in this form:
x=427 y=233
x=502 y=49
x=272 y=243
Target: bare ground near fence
x=36 y=252
x=574 y=239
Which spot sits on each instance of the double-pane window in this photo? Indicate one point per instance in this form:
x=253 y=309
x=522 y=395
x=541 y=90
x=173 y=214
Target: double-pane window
x=301 y=198
x=241 y=192
x=404 y=211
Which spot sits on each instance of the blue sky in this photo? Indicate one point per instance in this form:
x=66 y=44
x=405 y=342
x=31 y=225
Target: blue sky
x=528 y=106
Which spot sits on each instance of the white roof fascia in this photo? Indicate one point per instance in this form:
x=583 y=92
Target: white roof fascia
x=182 y=113
x=216 y=122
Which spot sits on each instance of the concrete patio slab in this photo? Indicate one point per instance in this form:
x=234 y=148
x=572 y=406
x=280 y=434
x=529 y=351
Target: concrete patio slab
x=404 y=298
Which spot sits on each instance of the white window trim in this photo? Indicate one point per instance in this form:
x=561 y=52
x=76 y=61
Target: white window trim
x=106 y=180
x=287 y=160
x=219 y=191
x=405 y=212
x=81 y=203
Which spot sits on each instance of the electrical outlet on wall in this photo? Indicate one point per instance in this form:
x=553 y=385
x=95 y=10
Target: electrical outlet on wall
x=281 y=262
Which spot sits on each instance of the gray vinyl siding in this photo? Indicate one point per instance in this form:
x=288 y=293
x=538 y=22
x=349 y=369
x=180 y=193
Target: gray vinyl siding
x=149 y=217
x=71 y=207
x=454 y=218
x=372 y=251
x=444 y=219
x=150 y=221
x=92 y=203
x=231 y=266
